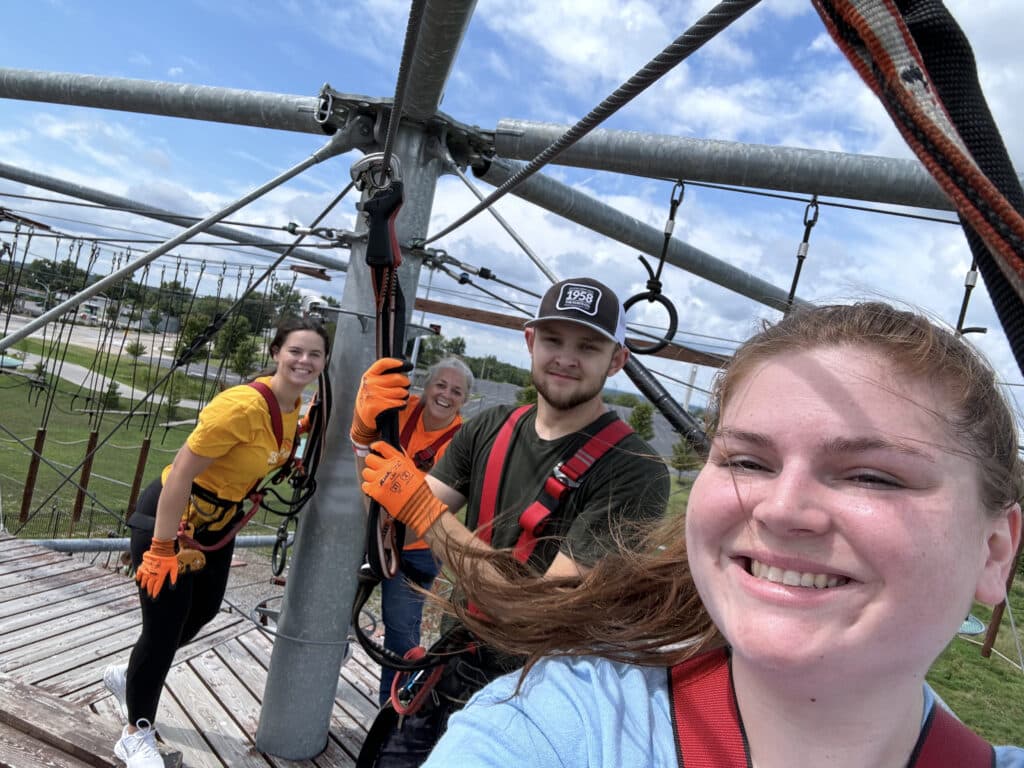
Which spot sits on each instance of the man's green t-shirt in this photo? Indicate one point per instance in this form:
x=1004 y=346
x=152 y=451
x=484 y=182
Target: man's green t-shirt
x=630 y=483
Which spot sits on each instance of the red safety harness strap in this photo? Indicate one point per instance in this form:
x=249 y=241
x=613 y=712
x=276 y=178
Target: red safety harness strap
x=492 y=474
x=423 y=458
x=276 y=423
x=709 y=730
x=946 y=741
x=565 y=476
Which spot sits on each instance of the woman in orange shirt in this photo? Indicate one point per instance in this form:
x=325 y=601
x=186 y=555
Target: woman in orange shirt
x=426 y=425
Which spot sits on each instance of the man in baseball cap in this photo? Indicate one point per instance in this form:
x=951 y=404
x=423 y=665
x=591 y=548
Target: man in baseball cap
x=586 y=301
x=576 y=342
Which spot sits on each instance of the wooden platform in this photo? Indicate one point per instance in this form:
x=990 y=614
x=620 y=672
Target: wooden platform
x=62 y=621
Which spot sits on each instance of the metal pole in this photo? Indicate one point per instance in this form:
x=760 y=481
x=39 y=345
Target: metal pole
x=105 y=198
x=442 y=29
x=689 y=387
x=196 y=102
x=338 y=143
x=584 y=210
x=329 y=541
x=804 y=171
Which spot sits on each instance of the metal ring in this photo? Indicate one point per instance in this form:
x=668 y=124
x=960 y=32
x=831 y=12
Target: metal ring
x=673 y=322
x=279 y=556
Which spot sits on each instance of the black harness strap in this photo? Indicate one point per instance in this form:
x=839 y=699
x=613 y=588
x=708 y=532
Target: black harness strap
x=186 y=533
x=918 y=61
x=384 y=255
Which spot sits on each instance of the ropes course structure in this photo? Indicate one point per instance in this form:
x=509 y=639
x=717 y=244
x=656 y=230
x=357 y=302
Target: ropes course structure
x=407 y=144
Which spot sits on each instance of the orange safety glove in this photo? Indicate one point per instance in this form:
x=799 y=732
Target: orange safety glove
x=157 y=564
x=384 y=386
x=391 y=478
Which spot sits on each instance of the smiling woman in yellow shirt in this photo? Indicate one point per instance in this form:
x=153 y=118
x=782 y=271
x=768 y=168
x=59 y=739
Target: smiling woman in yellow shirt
x=234 y=445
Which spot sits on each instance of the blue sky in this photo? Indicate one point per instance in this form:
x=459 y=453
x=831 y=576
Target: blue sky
x=772 y=78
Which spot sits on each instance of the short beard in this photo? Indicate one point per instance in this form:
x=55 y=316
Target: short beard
x=566 y=402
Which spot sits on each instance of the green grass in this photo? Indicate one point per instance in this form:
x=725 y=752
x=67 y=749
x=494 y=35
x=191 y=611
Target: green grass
x=987 y=694
x=140 y=375
x=67 y=432
x=679 y=494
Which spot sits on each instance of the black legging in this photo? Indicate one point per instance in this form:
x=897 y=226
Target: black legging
x=173 y=619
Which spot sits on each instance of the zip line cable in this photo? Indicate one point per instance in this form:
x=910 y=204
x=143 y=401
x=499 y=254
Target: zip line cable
x=463 y=279
x=412 y=33
x=808 y=200
x=151 y=240
x=709 y=25
x=127 y=209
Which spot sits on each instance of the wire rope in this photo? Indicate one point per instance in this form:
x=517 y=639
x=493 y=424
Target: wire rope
x=709 y=25
x=412 y=31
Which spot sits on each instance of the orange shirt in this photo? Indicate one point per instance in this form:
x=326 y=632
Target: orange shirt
x=421 y=439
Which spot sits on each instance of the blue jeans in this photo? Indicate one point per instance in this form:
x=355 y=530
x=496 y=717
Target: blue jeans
x=402 y=610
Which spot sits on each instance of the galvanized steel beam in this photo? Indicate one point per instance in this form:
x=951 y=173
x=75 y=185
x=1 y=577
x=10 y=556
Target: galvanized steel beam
x=340 y=142
x=62 y=187
x=441 y=32
x=197 y=102
x=803 y=171
x=602 y=218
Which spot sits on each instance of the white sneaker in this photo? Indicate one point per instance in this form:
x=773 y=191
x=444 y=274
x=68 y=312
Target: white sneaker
x=138 y=750
x=115 y=679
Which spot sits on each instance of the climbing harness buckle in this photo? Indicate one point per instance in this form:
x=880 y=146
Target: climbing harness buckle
x=559 y=474
x=189 y=560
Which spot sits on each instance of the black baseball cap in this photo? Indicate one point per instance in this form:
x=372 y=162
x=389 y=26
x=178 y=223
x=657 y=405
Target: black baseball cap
x=587 y=302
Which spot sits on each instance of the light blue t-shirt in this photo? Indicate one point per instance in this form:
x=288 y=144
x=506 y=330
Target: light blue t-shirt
x=583 y=712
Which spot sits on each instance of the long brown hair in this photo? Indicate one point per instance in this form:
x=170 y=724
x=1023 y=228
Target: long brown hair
x=639 y=604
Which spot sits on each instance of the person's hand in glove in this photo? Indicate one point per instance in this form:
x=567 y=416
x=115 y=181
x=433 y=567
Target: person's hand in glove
x=159 y=562
x=392 y=479
x=384 y=386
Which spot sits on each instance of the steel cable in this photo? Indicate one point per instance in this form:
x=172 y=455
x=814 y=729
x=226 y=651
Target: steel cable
x=709 y=25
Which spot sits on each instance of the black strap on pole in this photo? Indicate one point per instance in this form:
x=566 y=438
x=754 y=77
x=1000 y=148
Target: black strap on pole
x=385 y=535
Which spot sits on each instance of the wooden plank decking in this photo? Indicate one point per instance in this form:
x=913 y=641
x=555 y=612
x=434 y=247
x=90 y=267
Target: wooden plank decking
x=62 y=621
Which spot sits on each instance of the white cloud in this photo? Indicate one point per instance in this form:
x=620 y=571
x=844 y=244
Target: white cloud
x=174 y=72
x=772 y=78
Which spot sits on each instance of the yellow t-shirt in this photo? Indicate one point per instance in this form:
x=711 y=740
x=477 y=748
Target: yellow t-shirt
x=235 y=430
